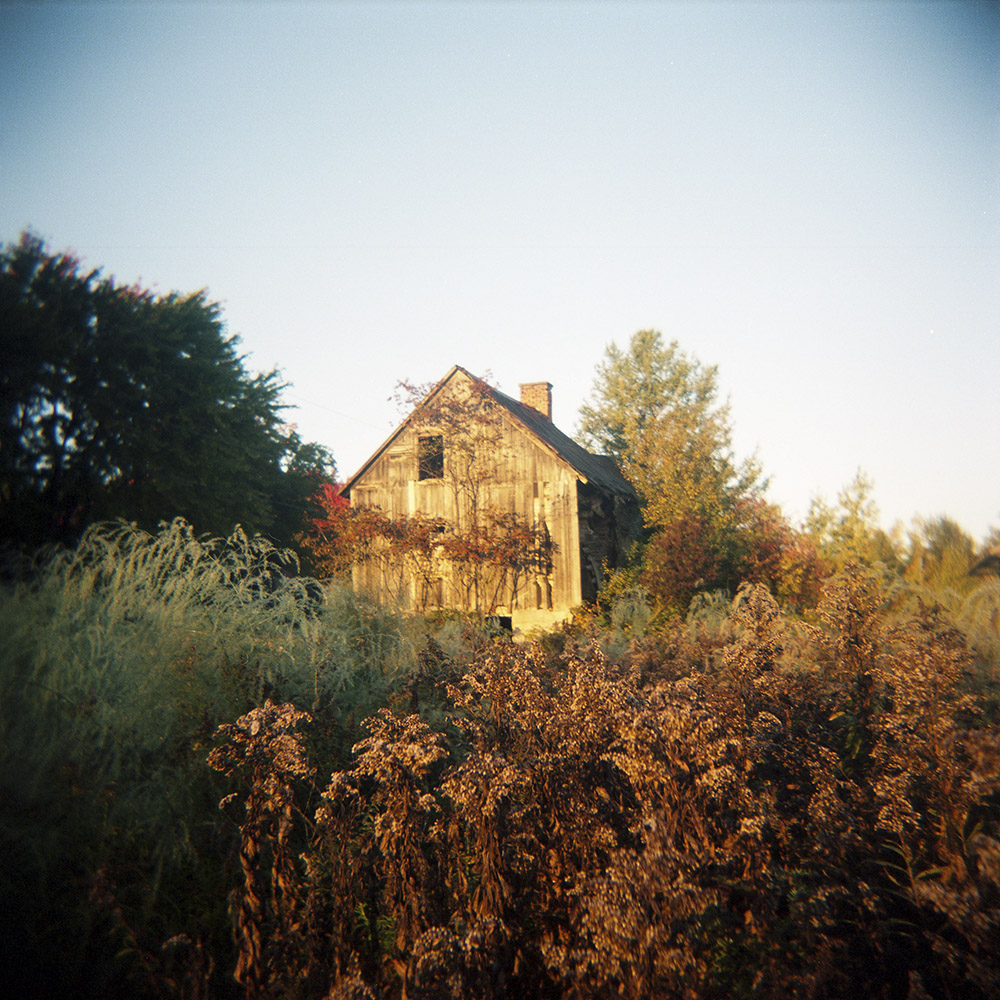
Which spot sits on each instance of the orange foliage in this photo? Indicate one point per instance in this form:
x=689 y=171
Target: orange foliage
x=488 y=557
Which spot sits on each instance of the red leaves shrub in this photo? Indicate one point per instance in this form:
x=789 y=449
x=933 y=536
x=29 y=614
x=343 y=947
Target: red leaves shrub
x=691 y=555
x=344 y=535
x=331 y=538
x=681 y=559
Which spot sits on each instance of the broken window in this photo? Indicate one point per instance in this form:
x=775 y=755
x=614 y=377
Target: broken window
x=430 y=457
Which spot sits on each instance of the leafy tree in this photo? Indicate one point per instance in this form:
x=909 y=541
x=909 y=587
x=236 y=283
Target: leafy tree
x=688 y=556
x=656 y=411
x=849 y=532
x=115 y=402
x=680 y=560
x=329 y=538
x=941 y=556
x=631 y=391
x=803 y=571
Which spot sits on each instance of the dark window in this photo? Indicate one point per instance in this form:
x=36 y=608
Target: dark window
x=430 y=457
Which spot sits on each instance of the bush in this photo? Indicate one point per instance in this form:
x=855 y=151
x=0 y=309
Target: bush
x=738 y=803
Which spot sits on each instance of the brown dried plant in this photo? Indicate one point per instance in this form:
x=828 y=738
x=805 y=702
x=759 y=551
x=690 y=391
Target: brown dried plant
x=263 y=751
x=933 y=780
x=766 y=827
x=372 y=852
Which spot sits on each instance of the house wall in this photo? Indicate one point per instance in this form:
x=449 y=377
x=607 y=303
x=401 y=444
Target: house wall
x=523 y=477
x=609 y=525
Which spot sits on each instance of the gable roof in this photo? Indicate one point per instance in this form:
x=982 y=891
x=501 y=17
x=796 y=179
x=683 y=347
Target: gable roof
x=599 y=470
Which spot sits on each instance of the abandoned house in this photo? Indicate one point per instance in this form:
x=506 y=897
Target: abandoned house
x=519 y=521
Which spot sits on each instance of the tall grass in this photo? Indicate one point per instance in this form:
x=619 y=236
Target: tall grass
x=119 y=660
x=735 y=803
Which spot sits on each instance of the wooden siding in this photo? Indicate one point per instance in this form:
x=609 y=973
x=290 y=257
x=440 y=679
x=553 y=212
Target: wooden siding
x=523 y=465
x=524 y=478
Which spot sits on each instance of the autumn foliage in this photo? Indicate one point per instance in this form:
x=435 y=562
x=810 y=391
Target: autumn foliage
x=584 y=828
x=741 y=802
x=765 y=764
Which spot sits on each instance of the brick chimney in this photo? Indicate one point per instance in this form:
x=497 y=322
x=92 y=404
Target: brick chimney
x=538 y=395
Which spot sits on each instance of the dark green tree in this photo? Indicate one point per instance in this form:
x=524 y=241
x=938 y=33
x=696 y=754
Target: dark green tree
x=115 y=402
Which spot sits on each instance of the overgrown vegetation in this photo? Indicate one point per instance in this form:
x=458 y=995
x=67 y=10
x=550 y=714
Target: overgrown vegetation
x=767 y=826
x=765 y=763
x=708 y=527
x=739 y=802
x=120 y=659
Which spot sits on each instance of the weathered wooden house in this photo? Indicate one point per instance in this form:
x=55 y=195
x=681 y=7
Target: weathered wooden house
x=470 y=459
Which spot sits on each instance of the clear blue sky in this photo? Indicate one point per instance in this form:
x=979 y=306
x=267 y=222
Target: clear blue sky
x=807 y=195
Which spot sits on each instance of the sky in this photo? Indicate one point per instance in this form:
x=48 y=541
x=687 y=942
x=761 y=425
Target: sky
x=806 y=195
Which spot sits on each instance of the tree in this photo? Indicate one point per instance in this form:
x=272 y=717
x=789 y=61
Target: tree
x=632 y=390
x=849 y=532
x=680 y=560
x=941 y=556
x=655 y=410
x=686 y=556
x=115 y=402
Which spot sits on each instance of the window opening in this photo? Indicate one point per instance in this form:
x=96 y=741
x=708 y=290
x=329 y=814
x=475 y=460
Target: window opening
x=430 y=457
